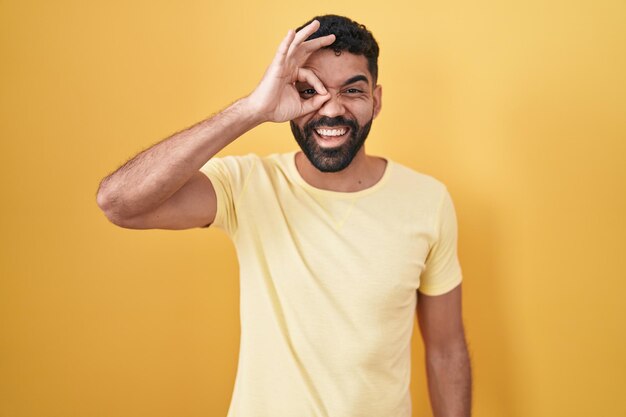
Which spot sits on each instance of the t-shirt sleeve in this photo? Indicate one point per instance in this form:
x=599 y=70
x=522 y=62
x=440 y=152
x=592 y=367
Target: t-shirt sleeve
x=229 y=177
x=443 y=272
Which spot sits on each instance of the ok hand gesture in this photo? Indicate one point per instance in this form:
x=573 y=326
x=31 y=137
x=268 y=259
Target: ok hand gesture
x=276 y=98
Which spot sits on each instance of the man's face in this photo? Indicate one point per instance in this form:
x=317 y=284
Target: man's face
x=334 y=134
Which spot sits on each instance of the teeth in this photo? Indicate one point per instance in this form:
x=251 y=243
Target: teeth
x=331 y=132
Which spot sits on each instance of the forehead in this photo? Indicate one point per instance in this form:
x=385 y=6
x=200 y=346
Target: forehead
x=333 y=70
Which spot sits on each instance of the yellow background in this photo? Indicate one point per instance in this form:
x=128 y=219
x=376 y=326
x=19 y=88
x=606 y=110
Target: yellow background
x=519 y=107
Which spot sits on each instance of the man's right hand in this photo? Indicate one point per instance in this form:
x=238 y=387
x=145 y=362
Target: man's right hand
x=276 y=98
x=162 y=186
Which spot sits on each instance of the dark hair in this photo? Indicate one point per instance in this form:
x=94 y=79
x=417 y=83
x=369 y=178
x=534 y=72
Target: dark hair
x=349 y=36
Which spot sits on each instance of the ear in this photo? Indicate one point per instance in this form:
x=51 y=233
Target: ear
x=378 y=99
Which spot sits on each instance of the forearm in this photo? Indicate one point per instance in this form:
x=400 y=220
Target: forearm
x=151 y=177
x=450 y=381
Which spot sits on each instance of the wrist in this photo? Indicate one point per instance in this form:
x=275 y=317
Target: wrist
x=251 y=110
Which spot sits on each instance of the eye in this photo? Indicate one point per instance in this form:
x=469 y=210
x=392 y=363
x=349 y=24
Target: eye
x=307 y=92
x=353 y=91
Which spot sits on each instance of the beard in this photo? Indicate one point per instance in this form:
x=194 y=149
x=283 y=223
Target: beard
x=331 y=159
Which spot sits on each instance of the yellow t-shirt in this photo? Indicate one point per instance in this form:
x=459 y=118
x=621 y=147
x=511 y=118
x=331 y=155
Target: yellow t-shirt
x=328 y=285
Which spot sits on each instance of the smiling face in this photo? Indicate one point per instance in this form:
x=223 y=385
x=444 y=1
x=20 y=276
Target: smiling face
x=333 y=136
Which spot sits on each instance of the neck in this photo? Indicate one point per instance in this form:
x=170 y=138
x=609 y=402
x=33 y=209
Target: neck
x=363 y=172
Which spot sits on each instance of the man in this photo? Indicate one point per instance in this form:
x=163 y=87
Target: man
x=337 y=248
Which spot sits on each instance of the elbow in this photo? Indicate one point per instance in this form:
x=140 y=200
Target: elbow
x=103 y=199
x=452 y=352
x=107 y=202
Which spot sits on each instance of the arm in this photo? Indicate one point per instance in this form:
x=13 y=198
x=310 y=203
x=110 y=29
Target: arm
x=162 y=186
x=447 y=359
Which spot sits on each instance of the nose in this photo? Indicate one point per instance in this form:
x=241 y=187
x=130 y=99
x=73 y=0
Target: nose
x=333 y=107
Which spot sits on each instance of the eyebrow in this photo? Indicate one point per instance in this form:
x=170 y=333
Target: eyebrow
x=355 y=79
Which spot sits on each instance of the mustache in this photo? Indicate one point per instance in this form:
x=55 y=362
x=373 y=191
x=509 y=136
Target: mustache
x=332 y=121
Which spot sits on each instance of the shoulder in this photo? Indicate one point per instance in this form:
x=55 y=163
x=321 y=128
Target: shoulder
x=411 y=180
x=241 y=161
x=233 y=168
x=252 y=160
x=278 y=160
x=230 y=165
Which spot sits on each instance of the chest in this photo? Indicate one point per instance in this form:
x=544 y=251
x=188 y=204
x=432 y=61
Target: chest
x=372 y=248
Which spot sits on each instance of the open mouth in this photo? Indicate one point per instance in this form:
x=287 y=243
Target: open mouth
x=331 y=137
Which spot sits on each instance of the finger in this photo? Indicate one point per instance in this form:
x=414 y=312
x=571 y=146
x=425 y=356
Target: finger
x=314 y=103
x=283 y=48
x=318 y=43
x=306 y=31
x=306 y=75
x=303 y=34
